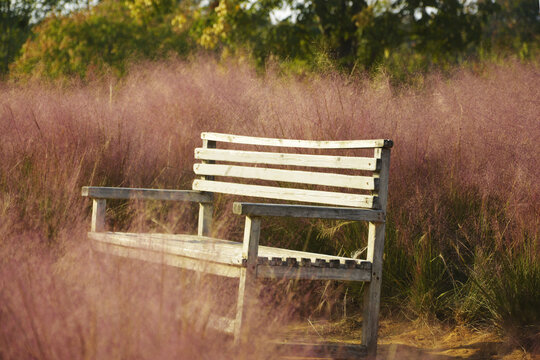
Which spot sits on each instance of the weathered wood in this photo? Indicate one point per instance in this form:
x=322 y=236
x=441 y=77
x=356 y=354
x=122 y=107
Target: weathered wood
x=375 y=249
x=306 y=211
x=223 y=257
x=305 y=262
x=313 y=273
x=291 y=262
x=247 y=260
x=162 y=257
x=311 y=144
x=322 y=263
x=206 y=249
x=301 y=195
x=248 y=275
x=206 y=210
x=334 y=264
x=293 y=176
x=99 y=207
x=145 y=194
x=269 y=158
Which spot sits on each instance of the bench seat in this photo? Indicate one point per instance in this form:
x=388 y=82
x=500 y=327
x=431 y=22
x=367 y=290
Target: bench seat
x=224 y=257
x=335 y=180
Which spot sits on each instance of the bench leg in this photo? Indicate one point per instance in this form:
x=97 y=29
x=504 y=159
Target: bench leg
x=372 y=292
x=98 y=215
x=205 y=219
x=248 y=276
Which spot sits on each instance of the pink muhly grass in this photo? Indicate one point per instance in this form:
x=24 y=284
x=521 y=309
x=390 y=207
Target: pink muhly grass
x=469 y=140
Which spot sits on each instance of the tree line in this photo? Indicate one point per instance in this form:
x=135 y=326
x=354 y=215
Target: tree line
x=56 y=38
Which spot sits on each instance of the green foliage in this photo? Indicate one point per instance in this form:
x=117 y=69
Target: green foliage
x=14 y=28
x=401 y=39
x=101 y=39
x=514 y=26
x=15 y=25
x=507 y=286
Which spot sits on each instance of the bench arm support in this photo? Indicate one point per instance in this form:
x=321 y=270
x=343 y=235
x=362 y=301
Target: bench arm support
x=100 y=194
x=307 y=211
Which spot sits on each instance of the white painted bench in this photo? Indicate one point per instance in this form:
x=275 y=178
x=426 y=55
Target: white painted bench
x=360 y=197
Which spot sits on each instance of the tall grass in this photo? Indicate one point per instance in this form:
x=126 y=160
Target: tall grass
x=463 y=195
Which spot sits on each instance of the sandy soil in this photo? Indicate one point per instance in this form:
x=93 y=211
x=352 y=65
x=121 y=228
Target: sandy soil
x=417 y=340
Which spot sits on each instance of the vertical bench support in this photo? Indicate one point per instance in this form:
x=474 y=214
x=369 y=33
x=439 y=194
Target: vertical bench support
x=206 y=210
x=372 y=292
x=98 y=215
x=248 y=276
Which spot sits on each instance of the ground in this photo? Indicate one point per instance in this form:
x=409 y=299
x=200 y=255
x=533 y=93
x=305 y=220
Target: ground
x=418 y=340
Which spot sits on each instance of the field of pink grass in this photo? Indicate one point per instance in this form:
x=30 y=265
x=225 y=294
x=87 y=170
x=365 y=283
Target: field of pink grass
x=464 y=194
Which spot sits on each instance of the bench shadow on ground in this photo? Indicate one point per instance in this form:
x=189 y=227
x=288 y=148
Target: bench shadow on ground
x=397 y=350
x=476 y=351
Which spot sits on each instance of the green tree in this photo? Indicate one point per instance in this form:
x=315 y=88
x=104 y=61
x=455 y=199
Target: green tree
x=513 y=25
x=106 y=36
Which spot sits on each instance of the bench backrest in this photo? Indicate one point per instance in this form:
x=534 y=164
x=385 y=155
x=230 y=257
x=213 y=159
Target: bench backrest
x=367 y=176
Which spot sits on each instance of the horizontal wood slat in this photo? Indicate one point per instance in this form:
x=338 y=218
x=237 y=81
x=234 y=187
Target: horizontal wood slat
x=294 y=176
x=301 y=195
x=223 y=257
x=121 y=245
x=269 y=158
x=147 y=194
x=313 y=273
x=305 y=211
x=306 y=144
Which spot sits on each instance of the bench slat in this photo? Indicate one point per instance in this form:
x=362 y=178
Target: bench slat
x=147 y=194
x=222 y=257
x=269 y=158
x=312 y=273
x=306 y=144
x=301 y=195
x=294 y=176
x=137 y=249
x=308 y=211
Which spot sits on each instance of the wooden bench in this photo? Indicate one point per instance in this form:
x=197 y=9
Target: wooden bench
x=360 y=194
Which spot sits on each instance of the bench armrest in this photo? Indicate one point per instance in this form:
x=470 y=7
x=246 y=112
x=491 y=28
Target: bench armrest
x=307 y=211
x=146 y=194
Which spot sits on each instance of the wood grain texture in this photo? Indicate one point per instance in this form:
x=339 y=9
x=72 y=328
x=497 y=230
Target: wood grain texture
x=211 y=251
x=248 y=276
x=207 y=248
x=146 y=194
x=307 y=144
x=99 y=207
x=283 y=193
x=160 y=257
x=313 y=273
x=375 y=251
x=270 y=158
x=282 y=175
x=206 y=210
x=307 y=211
